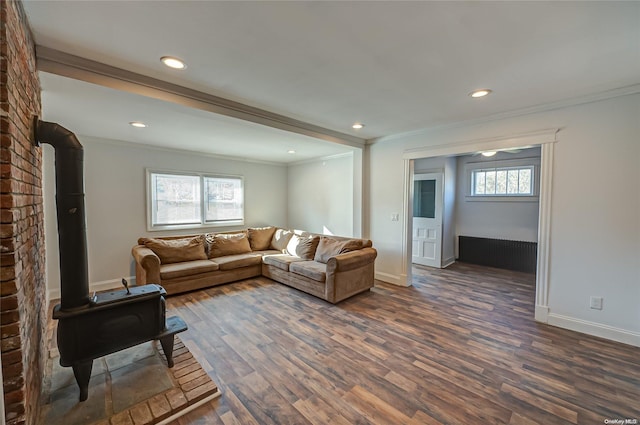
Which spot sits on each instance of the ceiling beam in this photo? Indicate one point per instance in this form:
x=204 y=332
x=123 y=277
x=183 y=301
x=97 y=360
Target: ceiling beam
x=71 y=66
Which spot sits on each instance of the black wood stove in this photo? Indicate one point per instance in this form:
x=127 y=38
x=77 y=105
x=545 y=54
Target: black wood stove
x=92 y=327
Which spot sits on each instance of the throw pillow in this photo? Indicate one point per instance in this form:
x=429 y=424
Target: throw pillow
x=177 y=250
x=303 y=247
x=352 y=245
x=280 y=240
x=228 y=244
x=260 y=237
x=327 y=248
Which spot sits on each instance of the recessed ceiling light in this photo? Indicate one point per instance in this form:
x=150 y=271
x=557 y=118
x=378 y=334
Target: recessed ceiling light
x=138 y=124
x=357 y=126
x=488 y=153
x=172 y=62
x=480 y=93
x=291 y=151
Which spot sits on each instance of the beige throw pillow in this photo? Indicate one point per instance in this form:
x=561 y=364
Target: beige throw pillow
x=177 y=250
x=260 y=237
x=280 y=240
x=303 y=247
x=329 y=247
x=228 y=244
x=352 y=245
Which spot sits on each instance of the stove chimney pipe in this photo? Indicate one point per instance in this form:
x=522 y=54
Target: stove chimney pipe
x=72 y=239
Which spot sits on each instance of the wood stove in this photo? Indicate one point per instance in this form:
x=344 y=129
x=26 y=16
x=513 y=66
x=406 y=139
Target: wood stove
x=92 y=327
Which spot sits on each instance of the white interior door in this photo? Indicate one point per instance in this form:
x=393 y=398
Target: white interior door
x=427 y=219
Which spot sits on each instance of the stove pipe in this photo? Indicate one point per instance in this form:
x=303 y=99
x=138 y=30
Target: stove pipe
x=74 y=276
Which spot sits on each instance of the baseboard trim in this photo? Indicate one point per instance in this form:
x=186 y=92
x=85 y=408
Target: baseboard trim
x=595 y=329
x=447 y=262
x=542 y=314
x=103 y=285
x=399 y=280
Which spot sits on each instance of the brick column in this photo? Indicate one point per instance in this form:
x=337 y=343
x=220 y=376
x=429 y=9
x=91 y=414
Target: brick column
x=23 y=300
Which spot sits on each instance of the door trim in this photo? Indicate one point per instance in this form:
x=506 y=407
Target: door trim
x=546 y=139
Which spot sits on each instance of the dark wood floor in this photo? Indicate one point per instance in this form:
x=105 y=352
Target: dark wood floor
x=459 y=347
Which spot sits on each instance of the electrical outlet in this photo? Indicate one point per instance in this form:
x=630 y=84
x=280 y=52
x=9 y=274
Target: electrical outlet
x=596 y=303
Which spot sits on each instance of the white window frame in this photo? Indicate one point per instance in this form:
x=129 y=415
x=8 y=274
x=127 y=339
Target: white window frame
x=202 y=223
x=505 y=164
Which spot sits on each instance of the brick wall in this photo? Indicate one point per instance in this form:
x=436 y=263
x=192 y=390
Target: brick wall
x=22 y=282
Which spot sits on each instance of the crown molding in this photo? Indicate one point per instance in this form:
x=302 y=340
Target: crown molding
x=594 y=97
x=76 y=67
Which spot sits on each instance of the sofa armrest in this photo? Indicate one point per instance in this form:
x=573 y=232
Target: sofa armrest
x=147 y=265
x=351 y=260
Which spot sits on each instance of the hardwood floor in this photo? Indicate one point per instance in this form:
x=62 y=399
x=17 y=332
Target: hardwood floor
x=459 y=347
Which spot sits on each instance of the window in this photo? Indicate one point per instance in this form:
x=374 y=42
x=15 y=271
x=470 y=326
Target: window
x=504 y=181
x=183 y=200
x=223 y=197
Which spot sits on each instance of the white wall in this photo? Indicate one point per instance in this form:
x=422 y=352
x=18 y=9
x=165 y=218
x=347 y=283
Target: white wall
x=321 y=195
x=115 y=202
x=595 y=208
x=516 y=221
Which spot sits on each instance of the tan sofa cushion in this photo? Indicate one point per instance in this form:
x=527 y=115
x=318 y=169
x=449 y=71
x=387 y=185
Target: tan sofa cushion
x=281 y=261
x=260 y=237
x=222 y=244
x=230 y=262
x=329 y=247
x=187 y=268
x=311 y=269
x=303 y=247
x=177 y=250
x=280 y=239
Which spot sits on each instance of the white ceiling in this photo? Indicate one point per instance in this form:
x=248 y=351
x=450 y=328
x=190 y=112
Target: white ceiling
x=91 y=110
x=396 y=66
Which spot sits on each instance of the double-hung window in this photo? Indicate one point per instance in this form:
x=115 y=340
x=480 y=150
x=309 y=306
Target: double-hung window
x=189 y=200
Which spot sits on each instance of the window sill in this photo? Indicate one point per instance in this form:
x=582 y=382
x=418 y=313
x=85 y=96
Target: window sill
x=490 y=198
x=165 y=227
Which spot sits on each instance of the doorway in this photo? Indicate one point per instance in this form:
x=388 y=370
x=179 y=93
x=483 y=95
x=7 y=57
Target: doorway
x=546 y=139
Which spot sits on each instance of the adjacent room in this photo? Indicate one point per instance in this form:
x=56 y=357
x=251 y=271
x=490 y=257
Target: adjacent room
x=320 y=212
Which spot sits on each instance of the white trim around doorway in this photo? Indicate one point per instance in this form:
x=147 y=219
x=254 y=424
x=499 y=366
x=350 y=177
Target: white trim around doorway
x=546 y=139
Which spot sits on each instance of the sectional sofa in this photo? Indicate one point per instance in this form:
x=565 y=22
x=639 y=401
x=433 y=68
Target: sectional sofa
x=329 y=267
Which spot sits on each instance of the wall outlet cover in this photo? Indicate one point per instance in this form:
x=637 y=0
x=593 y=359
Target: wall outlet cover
x=596 y=303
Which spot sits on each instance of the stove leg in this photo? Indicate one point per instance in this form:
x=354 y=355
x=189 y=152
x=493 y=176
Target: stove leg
x=167 y=347
x=82 y=372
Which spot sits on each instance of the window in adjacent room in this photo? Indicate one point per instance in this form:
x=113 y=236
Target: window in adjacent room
x=185 y=200
x=502 y=181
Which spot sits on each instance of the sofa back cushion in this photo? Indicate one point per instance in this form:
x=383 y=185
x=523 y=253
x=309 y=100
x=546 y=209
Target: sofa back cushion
x=330 y=247
x=260 y=237
x=177 y=250
x=221 y=244
x=303 y=247
x=280 y=239
x=361 y=243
